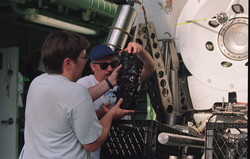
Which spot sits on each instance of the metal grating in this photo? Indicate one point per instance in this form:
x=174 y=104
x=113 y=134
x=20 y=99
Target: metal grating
x=221 y=143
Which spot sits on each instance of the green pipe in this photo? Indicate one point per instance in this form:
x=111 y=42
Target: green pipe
x=60 y=8
x=40 y=3
x=99 y=6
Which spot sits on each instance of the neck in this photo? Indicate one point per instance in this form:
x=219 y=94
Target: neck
x=67 y=75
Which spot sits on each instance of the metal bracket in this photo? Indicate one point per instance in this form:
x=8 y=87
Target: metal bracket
x=158 y=86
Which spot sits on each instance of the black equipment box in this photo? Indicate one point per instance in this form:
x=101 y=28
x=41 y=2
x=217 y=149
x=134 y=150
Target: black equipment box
x=137 y=139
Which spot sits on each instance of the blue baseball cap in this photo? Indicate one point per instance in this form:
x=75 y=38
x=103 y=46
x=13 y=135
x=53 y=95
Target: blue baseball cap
x=100 y=51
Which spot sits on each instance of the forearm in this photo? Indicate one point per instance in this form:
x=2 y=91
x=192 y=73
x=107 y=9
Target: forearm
x=100 y=113
x=148 y=64
x=106 y=124
x=115 y=113
x=98 y=90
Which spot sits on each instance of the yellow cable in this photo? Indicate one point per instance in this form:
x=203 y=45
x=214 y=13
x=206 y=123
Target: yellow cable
x=193 y=21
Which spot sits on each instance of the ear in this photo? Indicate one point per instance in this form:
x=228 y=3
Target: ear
x=92 y=67
x=67 y=63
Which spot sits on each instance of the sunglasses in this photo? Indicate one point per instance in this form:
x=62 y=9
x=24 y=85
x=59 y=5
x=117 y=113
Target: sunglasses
x=105 y=65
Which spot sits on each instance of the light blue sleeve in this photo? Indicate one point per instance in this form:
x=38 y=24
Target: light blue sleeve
x=85 y=123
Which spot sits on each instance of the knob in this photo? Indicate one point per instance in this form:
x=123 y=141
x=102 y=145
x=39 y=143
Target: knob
x=10 y=121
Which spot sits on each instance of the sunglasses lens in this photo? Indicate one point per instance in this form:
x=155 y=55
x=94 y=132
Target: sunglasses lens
x=113 y=64
x=104 y=65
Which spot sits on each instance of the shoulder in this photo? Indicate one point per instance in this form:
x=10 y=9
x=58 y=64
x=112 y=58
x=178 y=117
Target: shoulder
x=88 y=81
x=89 y=77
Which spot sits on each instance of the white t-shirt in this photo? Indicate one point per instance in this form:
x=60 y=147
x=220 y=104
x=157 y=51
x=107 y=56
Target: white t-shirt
x=59 y=118
x=90 y=81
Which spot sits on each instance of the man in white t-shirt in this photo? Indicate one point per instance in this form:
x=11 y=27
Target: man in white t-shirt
x=103 y=62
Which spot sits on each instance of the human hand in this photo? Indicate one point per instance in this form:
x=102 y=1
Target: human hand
x=119 y=113
x=114 y=76
x=105 y=108
x=134 y=48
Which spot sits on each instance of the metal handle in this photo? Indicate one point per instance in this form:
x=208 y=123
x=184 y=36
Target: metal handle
x=10 y=121
x=180 y=140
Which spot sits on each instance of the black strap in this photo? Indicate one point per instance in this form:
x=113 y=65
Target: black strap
x=110 y=85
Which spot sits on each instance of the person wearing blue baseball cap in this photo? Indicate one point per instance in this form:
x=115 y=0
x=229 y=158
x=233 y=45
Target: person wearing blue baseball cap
x=103 y=62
